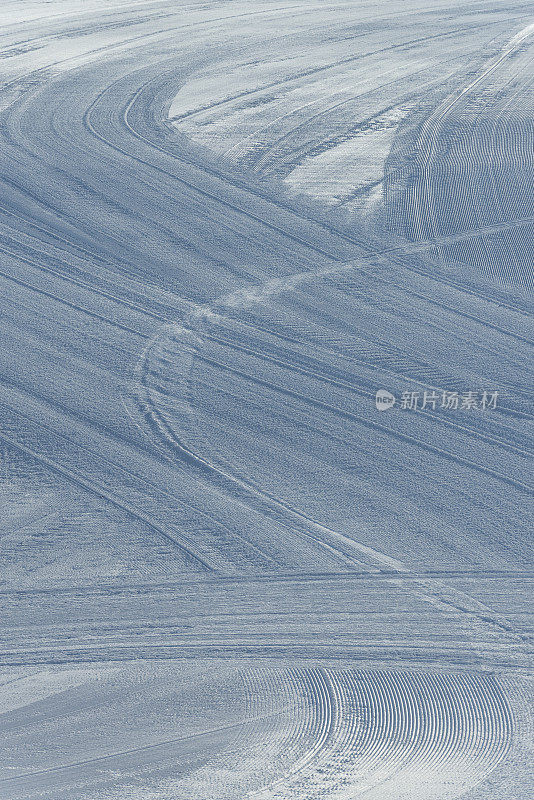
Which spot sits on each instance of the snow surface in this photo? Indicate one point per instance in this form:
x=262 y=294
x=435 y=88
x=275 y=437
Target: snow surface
x=223 y=227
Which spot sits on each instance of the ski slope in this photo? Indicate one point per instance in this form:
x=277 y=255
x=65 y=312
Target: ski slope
x=224 y=574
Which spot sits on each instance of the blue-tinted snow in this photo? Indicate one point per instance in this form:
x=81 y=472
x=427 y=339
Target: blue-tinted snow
x=224 y=574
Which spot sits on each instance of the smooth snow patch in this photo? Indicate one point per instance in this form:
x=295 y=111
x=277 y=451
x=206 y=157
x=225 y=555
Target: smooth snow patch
x=32 y=688
x=338 y=173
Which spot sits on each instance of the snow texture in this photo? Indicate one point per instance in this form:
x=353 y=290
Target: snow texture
x=224 y=574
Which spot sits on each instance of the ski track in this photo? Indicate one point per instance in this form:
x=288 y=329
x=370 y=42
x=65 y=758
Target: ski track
x=224 y=575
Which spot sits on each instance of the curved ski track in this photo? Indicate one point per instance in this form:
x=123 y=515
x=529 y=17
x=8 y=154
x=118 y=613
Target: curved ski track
x=224 y=574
